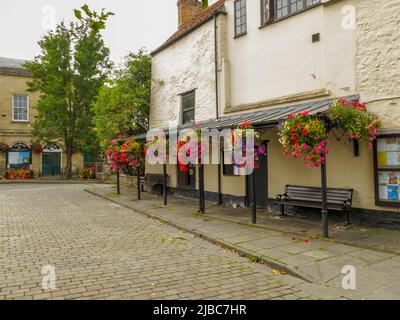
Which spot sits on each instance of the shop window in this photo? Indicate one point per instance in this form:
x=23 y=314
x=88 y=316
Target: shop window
x=387 y=170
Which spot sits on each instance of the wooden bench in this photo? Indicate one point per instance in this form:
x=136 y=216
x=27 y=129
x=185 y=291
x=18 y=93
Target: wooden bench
x=154 y=182
x=311 y=197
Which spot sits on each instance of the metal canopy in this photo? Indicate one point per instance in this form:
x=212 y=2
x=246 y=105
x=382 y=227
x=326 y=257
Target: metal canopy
x=264 y=118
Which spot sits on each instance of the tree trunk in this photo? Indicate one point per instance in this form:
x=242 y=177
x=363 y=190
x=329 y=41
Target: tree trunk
x=68 y=170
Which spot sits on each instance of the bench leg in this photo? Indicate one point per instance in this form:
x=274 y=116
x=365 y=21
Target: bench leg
x=283 y=210
x=348 y=218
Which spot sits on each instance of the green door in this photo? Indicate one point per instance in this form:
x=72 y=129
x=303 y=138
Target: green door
x=51 y=164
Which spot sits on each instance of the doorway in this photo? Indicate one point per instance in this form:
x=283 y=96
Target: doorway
x=51 y=161
x=261 y=182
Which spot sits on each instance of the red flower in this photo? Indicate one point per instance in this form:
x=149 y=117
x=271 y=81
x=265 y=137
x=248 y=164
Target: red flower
x=245 y=124
x=304 y=132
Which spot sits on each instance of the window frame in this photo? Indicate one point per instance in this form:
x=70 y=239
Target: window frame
x=27 y=107
x=273 y=11
x=378 y=201
x=242 y=33
x=183 y=95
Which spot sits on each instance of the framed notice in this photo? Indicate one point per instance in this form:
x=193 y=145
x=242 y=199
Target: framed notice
x=387 y=170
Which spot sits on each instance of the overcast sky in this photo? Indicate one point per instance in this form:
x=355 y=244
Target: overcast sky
x=136 y=24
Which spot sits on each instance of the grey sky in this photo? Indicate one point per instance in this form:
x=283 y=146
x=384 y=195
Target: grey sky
x=136 y=24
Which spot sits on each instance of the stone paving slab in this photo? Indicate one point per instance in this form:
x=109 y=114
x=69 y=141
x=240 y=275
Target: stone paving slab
x=312 y=257
x=103 y=250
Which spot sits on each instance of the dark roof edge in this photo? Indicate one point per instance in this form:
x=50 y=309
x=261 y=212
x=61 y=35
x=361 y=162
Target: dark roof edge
x=219 y=11
x=15 y=72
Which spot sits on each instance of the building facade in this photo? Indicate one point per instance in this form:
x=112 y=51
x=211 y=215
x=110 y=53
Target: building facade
x=17 y=114
x=239 y=58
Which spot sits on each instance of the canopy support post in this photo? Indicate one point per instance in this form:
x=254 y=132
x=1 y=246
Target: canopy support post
x=138 y=183
x=202 y=208
x=325 y=223
x=219 y=181
x=165 y=191
x=118 y=183
x=253 y=198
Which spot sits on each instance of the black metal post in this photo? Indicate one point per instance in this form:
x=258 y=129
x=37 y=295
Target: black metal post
x=138 y=183
x=202 y=208
x=219 y=181
x=165 y=190
x=253 y=198
x=325 y=226
x=356 y=148
x=118 y=184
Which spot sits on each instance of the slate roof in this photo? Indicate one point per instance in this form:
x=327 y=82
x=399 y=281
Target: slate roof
x=11 y=66
x=202 y=17
x=262 y=119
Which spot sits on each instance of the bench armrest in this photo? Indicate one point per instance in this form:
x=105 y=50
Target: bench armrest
x=281 y=196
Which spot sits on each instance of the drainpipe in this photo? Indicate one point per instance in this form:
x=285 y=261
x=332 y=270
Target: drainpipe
x=217 y=101
x=216 y=67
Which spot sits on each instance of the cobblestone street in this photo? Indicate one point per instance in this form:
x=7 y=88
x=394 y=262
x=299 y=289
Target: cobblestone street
x=101 y=250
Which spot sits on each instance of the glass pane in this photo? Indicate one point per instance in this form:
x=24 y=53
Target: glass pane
x=188 y=116
x=188 y=101
x=389 y=183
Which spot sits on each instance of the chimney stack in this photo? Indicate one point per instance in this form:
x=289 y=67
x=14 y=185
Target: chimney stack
x=188 y=9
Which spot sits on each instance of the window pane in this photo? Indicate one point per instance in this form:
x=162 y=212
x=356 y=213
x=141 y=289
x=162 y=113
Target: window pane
x=264 y=11
x=188 y=116
x=188 y=102
x=20 y=108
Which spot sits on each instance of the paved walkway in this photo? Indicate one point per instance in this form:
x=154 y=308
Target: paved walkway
x=102 y=250
x=291 y=243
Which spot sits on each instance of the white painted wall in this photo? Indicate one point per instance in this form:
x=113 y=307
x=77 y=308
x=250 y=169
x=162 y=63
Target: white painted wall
x=280 y=59
x=186 y=65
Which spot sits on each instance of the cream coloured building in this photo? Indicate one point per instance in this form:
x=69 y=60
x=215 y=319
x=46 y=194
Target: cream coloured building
x=260 y=60
x=17 y=114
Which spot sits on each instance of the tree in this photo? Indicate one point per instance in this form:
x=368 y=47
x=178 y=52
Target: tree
x=69 y=72
x=123 y=103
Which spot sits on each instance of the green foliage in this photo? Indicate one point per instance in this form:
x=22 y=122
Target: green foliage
x=123 y=104
x=69 y=72
x=353 y=118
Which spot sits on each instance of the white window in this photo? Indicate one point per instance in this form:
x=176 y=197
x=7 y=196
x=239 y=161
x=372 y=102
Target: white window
x=20 y=108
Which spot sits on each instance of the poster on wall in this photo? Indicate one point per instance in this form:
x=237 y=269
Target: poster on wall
x=388 y=170
x=21 y=158
x=388 y=152
x=393 y=192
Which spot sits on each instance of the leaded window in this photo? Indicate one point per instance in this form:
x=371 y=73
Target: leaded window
x=240 y=17
x=265 y=11
x=284 y=8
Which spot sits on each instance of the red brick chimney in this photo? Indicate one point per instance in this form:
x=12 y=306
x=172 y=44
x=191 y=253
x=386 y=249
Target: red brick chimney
x=187 y=10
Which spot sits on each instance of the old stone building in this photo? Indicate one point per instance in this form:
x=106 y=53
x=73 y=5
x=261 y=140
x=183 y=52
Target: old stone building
x=252 y=60
x=17 y=114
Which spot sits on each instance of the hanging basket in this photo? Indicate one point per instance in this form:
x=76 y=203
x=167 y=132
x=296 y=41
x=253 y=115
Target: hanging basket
x=304 y=136
x=4 y=146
